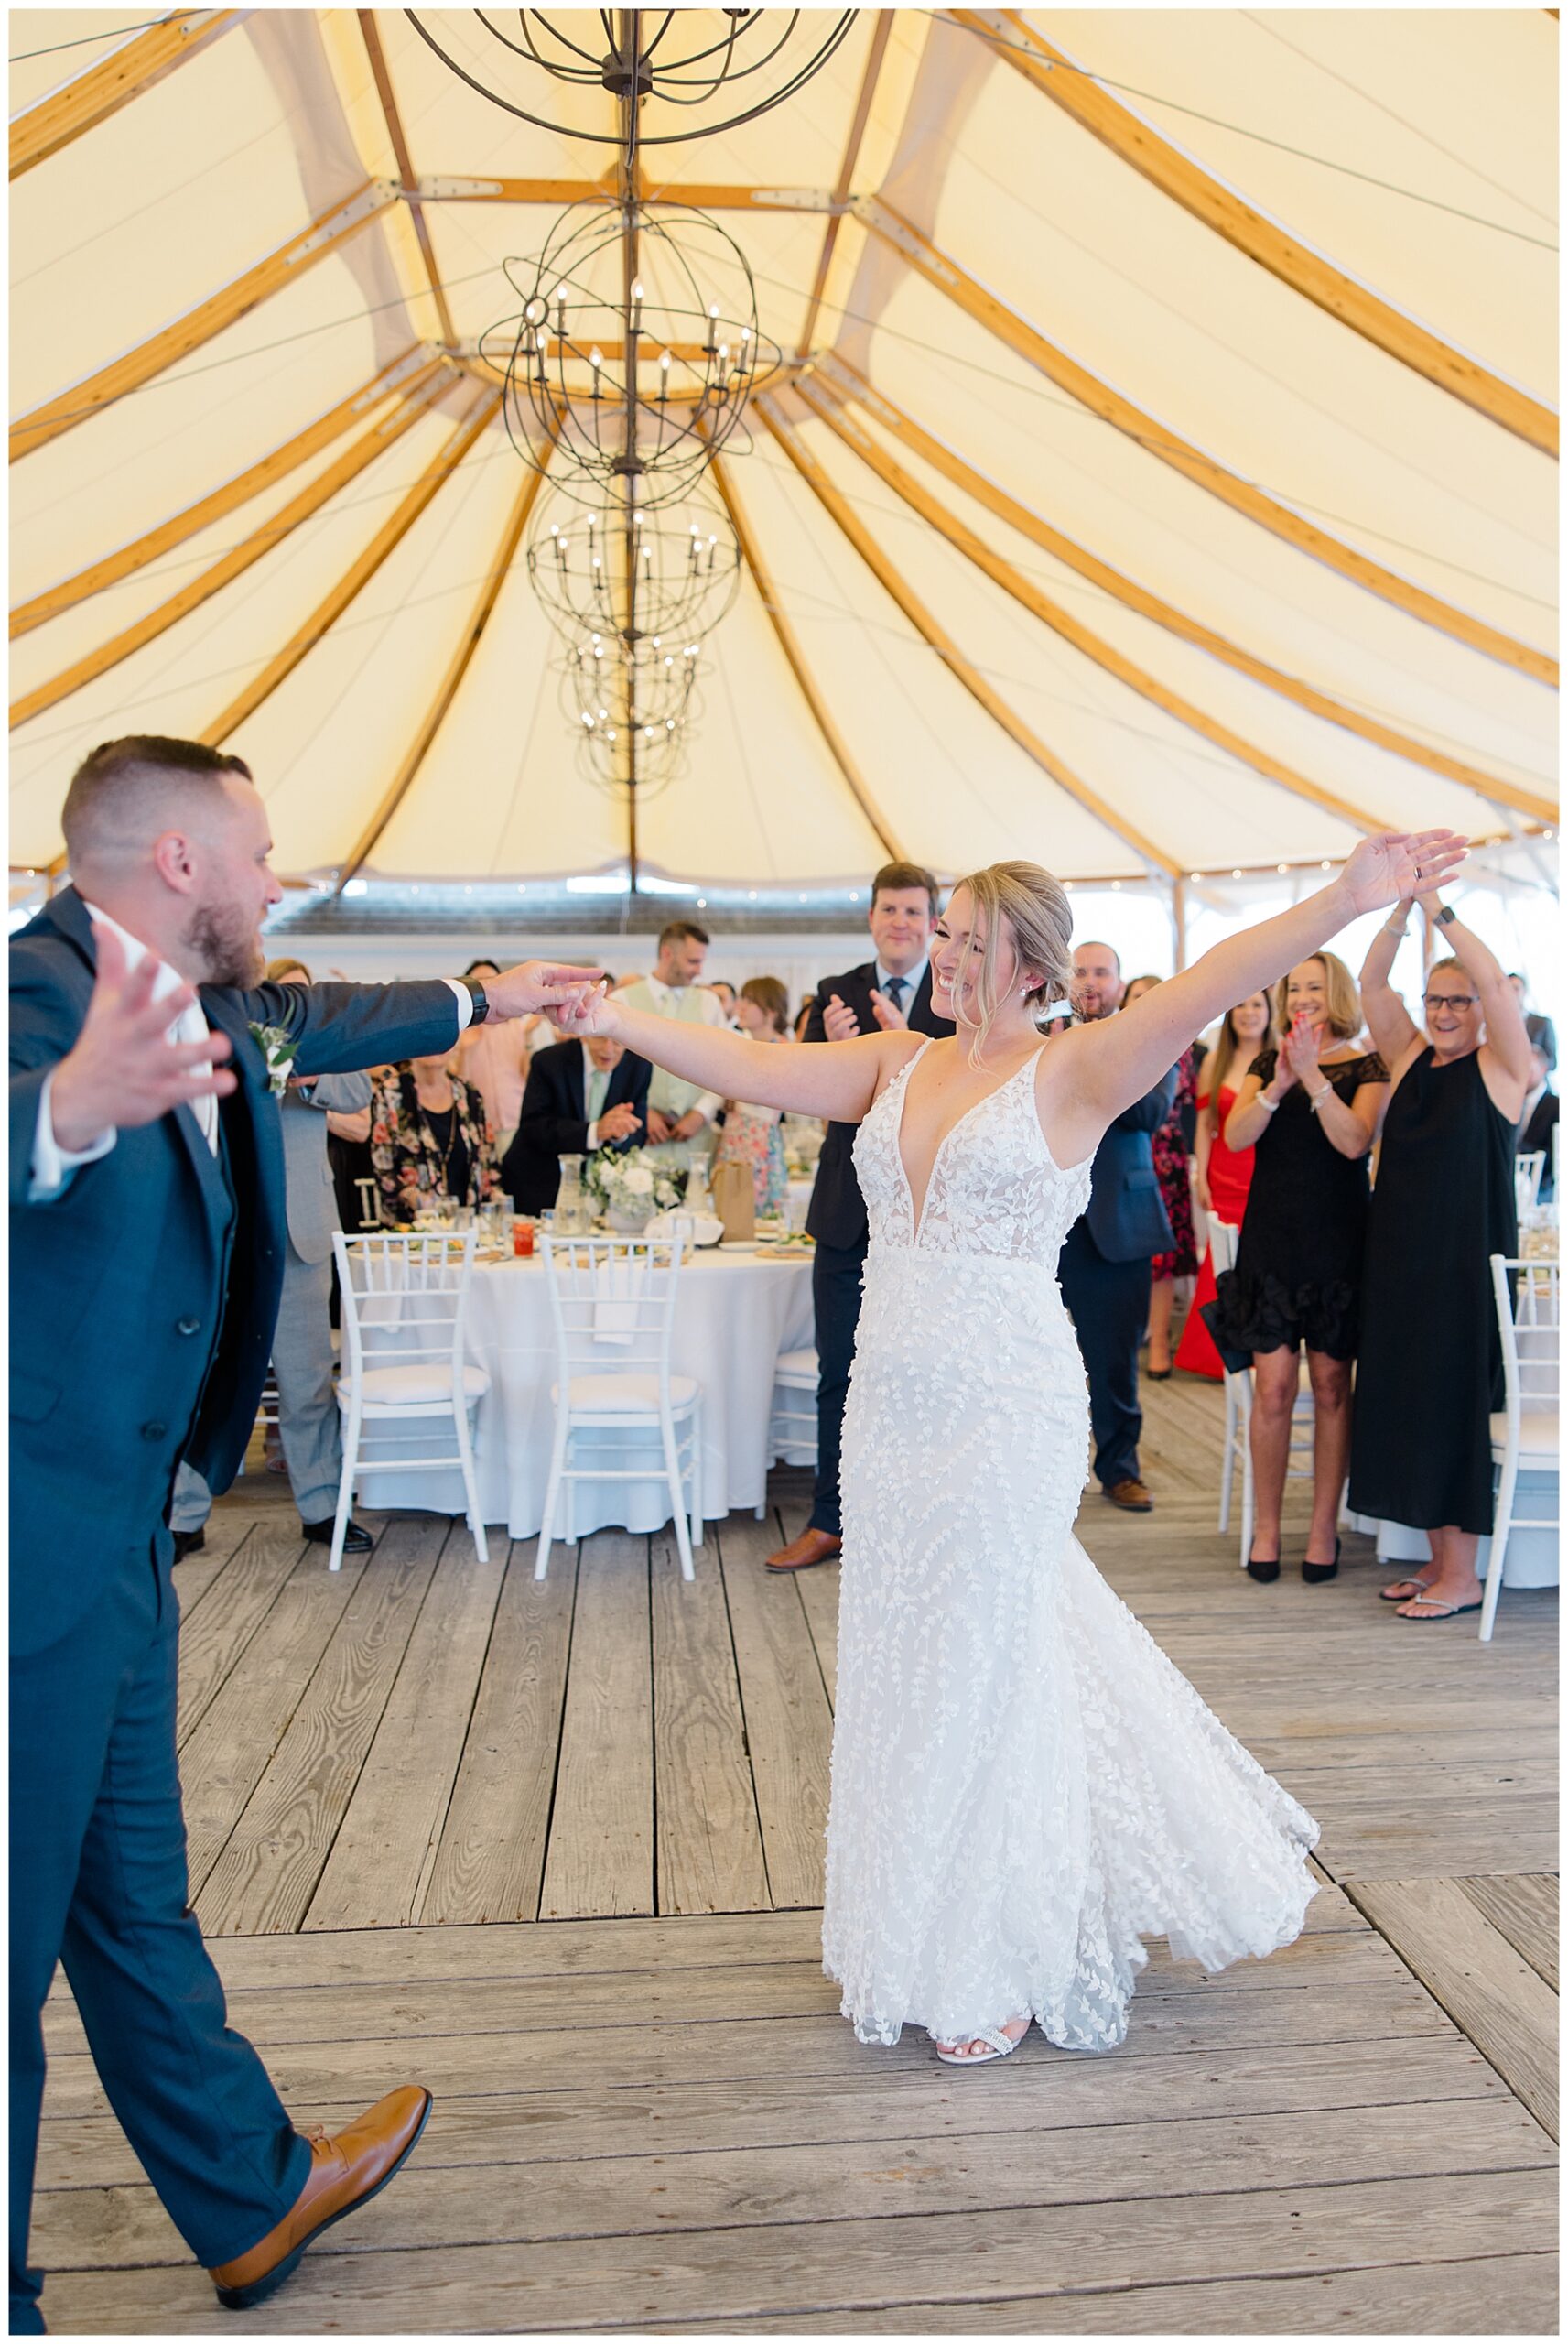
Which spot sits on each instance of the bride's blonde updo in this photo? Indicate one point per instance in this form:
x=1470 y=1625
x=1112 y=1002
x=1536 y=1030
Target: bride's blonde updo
x=1039 y=921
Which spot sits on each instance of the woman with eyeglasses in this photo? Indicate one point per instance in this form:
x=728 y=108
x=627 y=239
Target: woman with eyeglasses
x=1311 y=1110
x=1430 y=1364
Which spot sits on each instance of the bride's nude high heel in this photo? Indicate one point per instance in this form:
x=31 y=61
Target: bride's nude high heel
x=1002 y=2046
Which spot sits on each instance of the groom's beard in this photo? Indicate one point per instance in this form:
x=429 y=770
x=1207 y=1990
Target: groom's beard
x=225 y=944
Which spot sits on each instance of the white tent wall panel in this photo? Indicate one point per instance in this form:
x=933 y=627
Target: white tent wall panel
x=196 y=425
x=1218 y=350
x=1099 y=486
x=966 y=793
x=1316 y=749
x=1370 y=91
x=180 y=683
x=327 y=743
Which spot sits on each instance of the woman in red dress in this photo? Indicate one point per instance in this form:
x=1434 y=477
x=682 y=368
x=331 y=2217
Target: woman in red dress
x=1224 y=1174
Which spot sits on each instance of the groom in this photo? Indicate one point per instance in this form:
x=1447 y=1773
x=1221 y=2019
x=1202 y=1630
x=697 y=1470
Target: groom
x=892 y=989
x=148 y=1241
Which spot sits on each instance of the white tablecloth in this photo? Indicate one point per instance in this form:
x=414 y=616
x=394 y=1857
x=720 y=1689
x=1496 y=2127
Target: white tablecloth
x=734 y=1314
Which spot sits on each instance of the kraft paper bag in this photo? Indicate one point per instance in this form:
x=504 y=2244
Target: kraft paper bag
x=734 y=1199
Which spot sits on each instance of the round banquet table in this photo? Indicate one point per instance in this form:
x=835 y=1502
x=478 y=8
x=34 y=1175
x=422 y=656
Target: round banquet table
x=735 y=1312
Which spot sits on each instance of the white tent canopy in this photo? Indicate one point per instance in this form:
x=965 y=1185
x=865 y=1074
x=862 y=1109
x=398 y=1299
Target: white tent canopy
x=1164 y=484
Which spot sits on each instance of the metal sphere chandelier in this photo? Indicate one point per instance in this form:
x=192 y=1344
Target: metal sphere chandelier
x=626 y=577
x=631 y=711
x=700 y=71
x=637 y=330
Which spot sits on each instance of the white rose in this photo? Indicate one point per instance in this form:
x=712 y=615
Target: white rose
x=639 y=1179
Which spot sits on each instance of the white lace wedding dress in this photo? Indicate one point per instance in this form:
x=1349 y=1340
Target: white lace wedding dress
x=1023 y=1785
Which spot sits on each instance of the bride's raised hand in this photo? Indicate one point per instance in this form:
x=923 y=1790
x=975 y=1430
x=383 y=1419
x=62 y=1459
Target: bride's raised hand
x=589 y=1010
x=1395 y=863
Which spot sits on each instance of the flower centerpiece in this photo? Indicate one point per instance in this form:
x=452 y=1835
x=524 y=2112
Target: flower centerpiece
x=631 y=1186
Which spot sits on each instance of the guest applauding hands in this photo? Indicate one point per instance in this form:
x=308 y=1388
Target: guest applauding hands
x=1430 y=1370
x=1312 y=1110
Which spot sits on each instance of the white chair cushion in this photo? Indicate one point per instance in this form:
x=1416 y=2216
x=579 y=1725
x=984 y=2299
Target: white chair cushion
x=1537 y=1434
x=792 y=1365
x=420 y=1384
x=630 y=1395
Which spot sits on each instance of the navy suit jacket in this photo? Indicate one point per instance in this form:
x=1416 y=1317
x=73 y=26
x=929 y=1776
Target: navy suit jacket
x=837 y=1215
x=1126 y=1212
x=554 y=1120
x=142 y=1305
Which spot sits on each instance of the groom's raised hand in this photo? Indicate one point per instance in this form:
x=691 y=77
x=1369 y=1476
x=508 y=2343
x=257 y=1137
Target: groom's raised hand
x=539 y=985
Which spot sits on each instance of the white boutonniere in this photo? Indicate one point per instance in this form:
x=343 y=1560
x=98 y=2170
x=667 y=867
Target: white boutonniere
x=278 y=1048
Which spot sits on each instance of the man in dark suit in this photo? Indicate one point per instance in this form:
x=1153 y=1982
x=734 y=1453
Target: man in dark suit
x=894 y=989
x=148 y=1241
x=1105 y=1267
x=580 y=1097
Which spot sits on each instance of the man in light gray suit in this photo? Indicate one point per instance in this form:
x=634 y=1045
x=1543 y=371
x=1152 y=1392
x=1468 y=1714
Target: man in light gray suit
x=307 y=1419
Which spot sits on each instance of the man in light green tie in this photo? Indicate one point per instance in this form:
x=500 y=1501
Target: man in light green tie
x=680 y=1115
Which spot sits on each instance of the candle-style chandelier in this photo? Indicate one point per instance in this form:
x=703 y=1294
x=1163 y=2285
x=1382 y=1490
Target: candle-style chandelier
x=699 y=71
x=617 y=573
x=631 y=709
x=638 y=330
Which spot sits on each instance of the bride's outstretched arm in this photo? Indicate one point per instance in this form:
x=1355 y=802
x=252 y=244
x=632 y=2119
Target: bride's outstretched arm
x=838 y=1081
x=1117 y=1059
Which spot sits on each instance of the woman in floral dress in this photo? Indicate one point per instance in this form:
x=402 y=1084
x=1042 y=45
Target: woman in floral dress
x=754 y=1135
x=429 y=1141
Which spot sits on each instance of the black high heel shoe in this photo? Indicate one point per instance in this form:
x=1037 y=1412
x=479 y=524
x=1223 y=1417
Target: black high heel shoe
x=1315 y=1573
x=1264 y=1572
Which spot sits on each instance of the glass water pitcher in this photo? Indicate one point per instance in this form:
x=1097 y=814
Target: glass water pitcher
x=574 y=1211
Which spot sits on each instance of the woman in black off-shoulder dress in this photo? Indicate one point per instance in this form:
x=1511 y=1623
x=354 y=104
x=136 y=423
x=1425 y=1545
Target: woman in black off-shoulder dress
x=1311 y=1110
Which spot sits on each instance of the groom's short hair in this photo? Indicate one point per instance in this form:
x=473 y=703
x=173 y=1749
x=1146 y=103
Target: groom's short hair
x=124 y=792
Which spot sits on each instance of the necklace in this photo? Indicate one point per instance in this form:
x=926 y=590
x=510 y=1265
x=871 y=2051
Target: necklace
x=452 y=1134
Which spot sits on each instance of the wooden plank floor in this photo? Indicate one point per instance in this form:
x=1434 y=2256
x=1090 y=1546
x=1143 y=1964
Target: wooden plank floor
x=555 y=1851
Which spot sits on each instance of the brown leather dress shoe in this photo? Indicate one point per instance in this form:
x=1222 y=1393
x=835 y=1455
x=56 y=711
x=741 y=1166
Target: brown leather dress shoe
x=811 y=1547
x=347 y=2169
x=1131 y=1496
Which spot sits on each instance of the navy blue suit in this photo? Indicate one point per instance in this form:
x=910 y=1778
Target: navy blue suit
x=1106 y=1278
x=143 y=1296
x=837 y=1218
x=554 y=1120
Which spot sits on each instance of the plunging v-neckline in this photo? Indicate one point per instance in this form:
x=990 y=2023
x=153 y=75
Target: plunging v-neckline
x=918 y=1220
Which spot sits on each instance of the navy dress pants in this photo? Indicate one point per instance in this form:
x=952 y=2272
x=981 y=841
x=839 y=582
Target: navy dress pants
x=1109 y=1307
x=836 y=1274
x=99 y=1880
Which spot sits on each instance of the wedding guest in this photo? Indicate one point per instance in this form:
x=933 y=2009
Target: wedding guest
x=1223 y=1177
x=890 y=993
x=1171 y=1148
x=1106 y=1269
x=1311 y=1109
x=147 y=1220
x=724 y=991
x=754 y=1135
x=803 y=1015
x=1541 y=1030
x=310 y=1435
x=1430 y=1371
x=494 y=1059
x=581 y=1096
x=680 y=1115
x=429 y=1139
x=1538 y=1124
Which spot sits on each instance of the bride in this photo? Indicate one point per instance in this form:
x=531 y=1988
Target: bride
x=1023 y=1786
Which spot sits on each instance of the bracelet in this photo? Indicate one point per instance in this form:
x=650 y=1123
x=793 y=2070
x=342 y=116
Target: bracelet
x=1269 y=1106
x=1393 y=927
x=1317 y=1097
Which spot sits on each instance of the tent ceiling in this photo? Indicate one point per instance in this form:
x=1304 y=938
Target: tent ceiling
x=1079 y=532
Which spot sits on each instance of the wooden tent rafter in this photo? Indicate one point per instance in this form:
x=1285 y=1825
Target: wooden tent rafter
x=1136 y=142
x=1061 y=622
x=468 y=643
x=274 y=466
x=838 y=509
x=92 y=96
x=836 y=374
x=198 y=325
x=428 y=384
x=881 y=33
x=799 y=667
x=939 y=269
x=381 y=73
x=331 y=609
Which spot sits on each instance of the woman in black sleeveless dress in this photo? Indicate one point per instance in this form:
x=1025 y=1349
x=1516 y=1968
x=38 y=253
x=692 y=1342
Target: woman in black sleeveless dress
x=1430 y=1364
x=1311 y=1110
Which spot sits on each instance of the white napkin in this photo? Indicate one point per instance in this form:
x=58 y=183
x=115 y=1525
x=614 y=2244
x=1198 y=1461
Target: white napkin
x=617 y=1287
